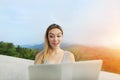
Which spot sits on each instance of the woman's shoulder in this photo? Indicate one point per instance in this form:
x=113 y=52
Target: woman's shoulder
x=39 y=54
x=68 y=52
x=70 y=55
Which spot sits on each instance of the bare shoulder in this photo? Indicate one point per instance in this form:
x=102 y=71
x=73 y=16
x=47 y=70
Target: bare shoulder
x=37 y=57
x=70 y=53
x=71 y=56
x=38 y=54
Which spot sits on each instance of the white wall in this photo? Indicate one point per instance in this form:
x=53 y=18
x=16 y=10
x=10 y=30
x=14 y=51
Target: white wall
x=12 y=68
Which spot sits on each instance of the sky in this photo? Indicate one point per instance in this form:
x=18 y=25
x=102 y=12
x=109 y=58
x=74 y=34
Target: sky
x=85 y=22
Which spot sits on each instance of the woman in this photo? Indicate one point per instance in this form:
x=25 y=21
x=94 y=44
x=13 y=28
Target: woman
x=52 y=53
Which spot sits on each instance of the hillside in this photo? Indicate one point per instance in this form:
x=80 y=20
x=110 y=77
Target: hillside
x=110 y=57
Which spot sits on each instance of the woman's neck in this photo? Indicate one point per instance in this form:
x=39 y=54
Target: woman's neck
x=56 y=50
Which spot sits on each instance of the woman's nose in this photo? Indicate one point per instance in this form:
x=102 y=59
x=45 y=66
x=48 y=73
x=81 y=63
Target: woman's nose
x=55 y=39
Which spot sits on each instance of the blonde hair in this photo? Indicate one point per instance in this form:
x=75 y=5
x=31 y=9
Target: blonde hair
x=46 y=51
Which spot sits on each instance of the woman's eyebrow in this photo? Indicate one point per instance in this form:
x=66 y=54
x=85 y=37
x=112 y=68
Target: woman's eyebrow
x=51 y=33
x=57 y=33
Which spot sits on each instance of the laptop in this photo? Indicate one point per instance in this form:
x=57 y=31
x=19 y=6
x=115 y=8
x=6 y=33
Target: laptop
x=81 y=70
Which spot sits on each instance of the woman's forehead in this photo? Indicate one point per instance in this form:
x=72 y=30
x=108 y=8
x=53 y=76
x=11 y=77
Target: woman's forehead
x=55 y=31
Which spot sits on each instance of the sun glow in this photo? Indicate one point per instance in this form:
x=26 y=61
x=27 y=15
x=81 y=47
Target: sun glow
x=111 y=41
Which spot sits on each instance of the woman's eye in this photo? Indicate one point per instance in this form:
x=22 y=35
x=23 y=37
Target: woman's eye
x=51 y=36
x=58 y=36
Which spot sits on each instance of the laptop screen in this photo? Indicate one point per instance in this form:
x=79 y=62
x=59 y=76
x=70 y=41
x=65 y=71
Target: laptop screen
x=82 y=70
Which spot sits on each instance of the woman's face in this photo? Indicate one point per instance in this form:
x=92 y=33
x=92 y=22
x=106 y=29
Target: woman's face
x=55 y=38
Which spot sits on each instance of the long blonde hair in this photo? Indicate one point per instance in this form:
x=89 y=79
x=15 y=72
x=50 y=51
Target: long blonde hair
x=46 y=51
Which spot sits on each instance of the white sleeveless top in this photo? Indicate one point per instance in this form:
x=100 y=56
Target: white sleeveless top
x=65 y=58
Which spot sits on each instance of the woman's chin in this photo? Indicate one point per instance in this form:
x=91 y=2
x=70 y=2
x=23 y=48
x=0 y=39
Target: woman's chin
x=55 y=47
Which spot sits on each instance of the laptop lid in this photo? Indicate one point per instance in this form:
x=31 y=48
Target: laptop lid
x=44 y=72
x=82 y=70
x=86 y=70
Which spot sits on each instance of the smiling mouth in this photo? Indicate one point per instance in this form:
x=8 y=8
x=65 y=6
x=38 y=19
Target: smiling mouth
x=55 y=44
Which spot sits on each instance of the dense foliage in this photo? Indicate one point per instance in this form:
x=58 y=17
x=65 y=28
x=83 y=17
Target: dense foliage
x=17 y=51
